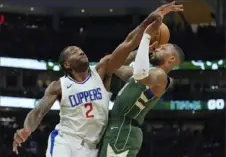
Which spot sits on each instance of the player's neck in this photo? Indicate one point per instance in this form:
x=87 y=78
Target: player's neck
x=80 y=76
x=166 y=69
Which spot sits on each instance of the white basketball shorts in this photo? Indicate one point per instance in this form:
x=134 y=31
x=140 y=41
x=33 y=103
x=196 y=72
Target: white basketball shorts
x=61 y=145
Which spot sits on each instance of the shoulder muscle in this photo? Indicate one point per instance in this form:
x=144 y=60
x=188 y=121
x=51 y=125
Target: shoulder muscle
x=51 y=94
x=54 y=88
x=157 y=77
x=102 y=66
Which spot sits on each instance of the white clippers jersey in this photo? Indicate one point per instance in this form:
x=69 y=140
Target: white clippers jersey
x=84 y=107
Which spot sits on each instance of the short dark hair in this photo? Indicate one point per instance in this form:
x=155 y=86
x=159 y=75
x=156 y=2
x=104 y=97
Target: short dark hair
x=179 y=52
x=62 y=58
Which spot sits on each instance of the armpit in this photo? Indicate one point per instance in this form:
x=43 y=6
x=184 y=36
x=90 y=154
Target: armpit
x=124 y=73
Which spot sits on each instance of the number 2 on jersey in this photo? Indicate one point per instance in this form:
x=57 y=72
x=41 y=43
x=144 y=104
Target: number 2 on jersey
x=89 y=108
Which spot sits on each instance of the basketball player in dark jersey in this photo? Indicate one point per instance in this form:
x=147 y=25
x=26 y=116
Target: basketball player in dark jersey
x=123 y=137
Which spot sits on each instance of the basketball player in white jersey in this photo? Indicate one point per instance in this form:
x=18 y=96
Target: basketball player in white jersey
x=84 y=98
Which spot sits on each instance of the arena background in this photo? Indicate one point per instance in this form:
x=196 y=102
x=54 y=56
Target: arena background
x=189 y=121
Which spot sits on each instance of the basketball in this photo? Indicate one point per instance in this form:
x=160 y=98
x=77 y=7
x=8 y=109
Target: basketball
x=164 y=34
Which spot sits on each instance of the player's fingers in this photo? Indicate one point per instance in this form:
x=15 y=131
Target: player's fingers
x=177 y=8
x=168 y=5
x=153 y=45
x=171 y=10
x=172 y=3
x=162 y=7
x=15 y=146
x=22 y=135
x=174 y=10
x=18 y=138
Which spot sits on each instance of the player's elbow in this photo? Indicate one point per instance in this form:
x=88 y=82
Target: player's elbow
x=140 y=76
x=140 y=73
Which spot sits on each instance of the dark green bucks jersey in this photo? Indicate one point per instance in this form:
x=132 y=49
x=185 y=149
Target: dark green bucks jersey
x=134 y=101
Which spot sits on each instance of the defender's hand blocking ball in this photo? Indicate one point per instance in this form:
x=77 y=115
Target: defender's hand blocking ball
x=158 y=31
x=163 y=35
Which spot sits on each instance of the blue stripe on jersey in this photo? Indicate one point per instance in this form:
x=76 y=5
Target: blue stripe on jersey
x=53 y=135
x=82 y=81
x=149 y=93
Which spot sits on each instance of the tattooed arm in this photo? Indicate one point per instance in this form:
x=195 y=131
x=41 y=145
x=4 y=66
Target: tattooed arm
x=35 y=116
x=126 y=71
x=131 y=57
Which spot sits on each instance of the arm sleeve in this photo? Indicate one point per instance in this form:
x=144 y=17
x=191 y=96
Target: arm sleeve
x=141 y=65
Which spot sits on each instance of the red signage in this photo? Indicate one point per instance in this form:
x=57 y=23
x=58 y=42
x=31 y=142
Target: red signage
x=2 y=19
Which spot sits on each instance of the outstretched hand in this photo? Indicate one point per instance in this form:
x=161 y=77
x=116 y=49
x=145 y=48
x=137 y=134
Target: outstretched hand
x=165 y=9
x=20 y=137
x=170 y=7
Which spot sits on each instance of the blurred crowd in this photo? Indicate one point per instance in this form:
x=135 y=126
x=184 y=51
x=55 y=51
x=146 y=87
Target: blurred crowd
x=36 y=144
x=186 y=85
x=44 y=37
x=187 y=140
x=162 y=138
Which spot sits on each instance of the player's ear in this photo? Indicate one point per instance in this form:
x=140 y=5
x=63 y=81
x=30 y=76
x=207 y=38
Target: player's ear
x=172 y=60
x=66 y=65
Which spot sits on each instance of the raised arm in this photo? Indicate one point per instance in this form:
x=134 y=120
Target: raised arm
x=155 y=78
x=111 y=62
x=131 y=57
x=35 y=116
x=126 y=71
x=119 y=55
